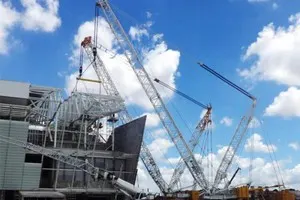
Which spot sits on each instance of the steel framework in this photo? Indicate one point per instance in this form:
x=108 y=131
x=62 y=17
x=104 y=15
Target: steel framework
x=154 y=97
x=125 y=117
x=193 y=142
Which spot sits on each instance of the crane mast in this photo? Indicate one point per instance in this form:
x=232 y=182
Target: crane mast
x=154 y=97
x=233 y=147
x=193 y=142
x=125 y=117
x=238 y=135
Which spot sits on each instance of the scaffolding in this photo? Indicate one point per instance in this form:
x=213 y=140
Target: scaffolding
x=81 y=126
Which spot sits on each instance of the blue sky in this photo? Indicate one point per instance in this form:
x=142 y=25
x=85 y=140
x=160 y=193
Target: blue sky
x=219 y=33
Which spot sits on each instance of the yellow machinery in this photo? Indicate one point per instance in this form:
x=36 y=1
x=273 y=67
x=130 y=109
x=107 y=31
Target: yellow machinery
x=284 y=195
x=194 y=194
x=242 y=193
x=246 y=193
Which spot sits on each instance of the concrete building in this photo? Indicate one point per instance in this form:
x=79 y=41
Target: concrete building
x=83 y=126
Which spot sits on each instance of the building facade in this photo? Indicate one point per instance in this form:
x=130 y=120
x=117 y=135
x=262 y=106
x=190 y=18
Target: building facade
x=82 y=125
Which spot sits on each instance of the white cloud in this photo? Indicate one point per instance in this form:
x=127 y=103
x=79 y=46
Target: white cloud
x=148 y=14
x=159 y=147
x=275 y=6
x=40 y=15
x=277 y=53
x=174 y=161
x=295 y=145
x=286 y=104
x=260 y=167
x=144 y=181
x=158 y=60
x=37 y=15
x=136 y=33
x=9 y=17
x=254 y=123
x=152 y=119
x=227 y=121
x=295 y=18
x=157 y=37
x=159 y=133
x=255 y=144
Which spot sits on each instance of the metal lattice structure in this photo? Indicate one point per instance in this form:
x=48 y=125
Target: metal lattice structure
x=125 y=117
x=92 y=105
x=80 y=164
x=66 y=135
x=193 y=142
x=38 y=109
x=232 y=148
x=238 y=135
x=154 y=97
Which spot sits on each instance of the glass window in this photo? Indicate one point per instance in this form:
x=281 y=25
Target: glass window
x=119 y=165
x=99 y=162
x=109 y=164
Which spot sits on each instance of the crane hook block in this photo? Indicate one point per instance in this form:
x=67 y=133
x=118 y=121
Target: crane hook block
x=94 y=51
x=80 y=71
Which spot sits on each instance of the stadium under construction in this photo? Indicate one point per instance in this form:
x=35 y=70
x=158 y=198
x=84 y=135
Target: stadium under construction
x=85 y=145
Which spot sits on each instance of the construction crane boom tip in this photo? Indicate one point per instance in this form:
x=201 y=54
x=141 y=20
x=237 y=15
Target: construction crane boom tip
x=200 y=63
x=227 y=81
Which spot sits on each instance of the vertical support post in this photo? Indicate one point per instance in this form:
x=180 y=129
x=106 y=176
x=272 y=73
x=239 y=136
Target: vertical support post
x=85 y=134
x=2 y=195
x=55 y=130
x=113 y=137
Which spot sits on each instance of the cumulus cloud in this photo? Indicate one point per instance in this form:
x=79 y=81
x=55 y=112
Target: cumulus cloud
x=37 y=16
x=255 y=144
x=158 y=60
x=40 y=16
x=254 y=123
x=148 y=14
x=260 y=167
x=157 y=37
x=159 y=133
x=227 y=121
x=136 y=33
x=159 y=147
x=9 y=17
x=276 y=52
x=152 y=119
x=275 y=6
x=286 y=104
x=295 y=145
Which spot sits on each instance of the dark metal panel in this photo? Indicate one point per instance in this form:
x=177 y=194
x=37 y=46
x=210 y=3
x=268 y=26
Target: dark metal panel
x=128 y=139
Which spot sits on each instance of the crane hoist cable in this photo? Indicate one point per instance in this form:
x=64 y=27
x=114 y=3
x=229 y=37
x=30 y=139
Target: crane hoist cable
x=239 y=132
x=181 y=94
x=96 y=32
x=196 y=135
